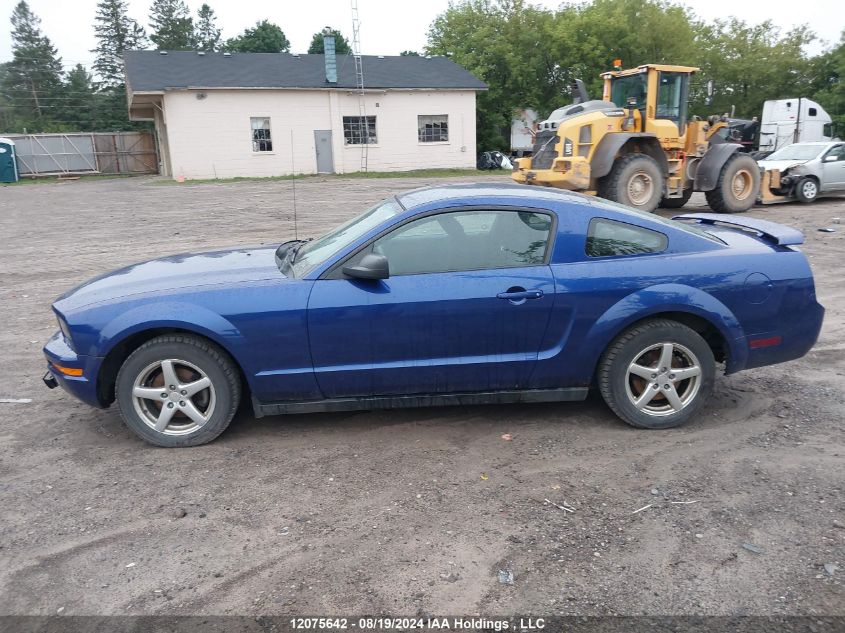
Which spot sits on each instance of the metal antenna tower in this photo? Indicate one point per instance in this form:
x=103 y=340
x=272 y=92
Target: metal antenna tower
x=363 y=128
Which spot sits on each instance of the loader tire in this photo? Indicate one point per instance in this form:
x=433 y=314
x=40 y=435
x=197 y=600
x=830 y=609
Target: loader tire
x=634 y=180
x=676 y=203
x=738 y=185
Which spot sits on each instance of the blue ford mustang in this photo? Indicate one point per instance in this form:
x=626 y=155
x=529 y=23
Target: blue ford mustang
x=462 y=294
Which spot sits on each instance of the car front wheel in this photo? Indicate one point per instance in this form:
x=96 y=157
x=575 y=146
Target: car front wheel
x=806 y=190
x=178 y=390
x=657 y=374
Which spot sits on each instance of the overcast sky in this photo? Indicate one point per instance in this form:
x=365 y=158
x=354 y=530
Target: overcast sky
x=387 y=26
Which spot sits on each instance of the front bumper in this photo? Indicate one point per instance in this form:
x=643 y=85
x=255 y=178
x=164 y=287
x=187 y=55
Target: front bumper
x=60 y=355
x=571 y=173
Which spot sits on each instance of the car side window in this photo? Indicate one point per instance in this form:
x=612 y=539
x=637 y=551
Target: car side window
x=467 y=240
x=838 y=151
x=609 y=238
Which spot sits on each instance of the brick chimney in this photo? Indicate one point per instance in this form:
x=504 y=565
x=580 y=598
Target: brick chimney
x=330 y=56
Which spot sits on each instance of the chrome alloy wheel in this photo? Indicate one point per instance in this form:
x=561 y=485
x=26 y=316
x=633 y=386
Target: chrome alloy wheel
x=663 y=379
x=173 y=396
x=809 y=189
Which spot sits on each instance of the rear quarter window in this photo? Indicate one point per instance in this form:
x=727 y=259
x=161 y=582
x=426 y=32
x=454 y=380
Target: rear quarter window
x=609 y=238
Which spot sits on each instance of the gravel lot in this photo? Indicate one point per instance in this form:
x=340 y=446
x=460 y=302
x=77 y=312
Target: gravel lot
x=404 y=512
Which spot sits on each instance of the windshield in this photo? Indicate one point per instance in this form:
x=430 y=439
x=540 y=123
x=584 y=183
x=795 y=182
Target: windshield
x=633 y=87
x=318 y=251
x=797 y=152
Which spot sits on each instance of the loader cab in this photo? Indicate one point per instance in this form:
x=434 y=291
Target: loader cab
x=658 y=93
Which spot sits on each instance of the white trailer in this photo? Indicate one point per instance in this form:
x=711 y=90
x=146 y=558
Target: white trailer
x=787 y=121
x=523 y=128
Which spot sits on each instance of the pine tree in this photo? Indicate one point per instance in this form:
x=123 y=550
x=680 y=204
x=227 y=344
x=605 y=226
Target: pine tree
x=77 y=109
x=206 y=33
x=33 y=78
x=116 y=32
x=172 y=26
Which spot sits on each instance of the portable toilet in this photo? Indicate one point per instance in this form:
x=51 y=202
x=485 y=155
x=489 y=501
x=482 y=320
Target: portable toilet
x=8 y=162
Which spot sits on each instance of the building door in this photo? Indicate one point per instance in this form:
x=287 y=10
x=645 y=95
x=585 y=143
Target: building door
x=323 y=144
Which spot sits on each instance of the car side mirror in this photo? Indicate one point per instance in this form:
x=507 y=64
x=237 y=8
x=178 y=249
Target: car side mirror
x=371 y=266
x=831 y=158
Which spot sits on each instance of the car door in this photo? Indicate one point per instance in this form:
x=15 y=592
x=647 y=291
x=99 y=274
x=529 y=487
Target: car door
x=464 y=309
x=833 y=168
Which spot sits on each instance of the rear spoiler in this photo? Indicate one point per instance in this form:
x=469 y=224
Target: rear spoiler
x=772 y=231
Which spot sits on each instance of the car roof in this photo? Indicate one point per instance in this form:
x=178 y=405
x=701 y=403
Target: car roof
x=464 y=191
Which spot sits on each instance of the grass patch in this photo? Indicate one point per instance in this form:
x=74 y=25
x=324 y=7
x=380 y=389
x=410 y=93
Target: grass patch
x=417 y=173
x=423 y=173
x=52 y=180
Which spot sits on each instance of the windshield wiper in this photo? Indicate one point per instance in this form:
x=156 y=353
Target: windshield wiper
x=285 y=247
x=294 y=250
x=283 y=253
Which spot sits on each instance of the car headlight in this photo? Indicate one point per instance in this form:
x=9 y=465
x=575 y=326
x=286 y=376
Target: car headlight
x=63 y=326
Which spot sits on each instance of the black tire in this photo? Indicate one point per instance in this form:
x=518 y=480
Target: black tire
x=725 y=198
x=616 y=186
x=620 y=389
x=194 y=358
x=676 y=203
x=806 y=190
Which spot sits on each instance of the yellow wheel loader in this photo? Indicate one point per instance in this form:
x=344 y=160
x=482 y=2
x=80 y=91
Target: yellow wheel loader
x=636 y=146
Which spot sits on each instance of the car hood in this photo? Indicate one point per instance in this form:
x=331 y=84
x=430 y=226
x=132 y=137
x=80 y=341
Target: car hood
x=781 y=165
x=188 y=270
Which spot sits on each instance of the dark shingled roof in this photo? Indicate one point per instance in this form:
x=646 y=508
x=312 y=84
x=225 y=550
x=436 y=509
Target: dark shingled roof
x=152 y=71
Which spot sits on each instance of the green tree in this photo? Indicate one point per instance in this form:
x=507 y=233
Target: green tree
x=589 y=37
x=752 y=63
x=206 y=33
x=265 y=37
x=116 y=32
x=79 y=102
x=828 y=72
x=409 y=54
x=7 y=116
x=32 y=80
x=341 y=46
x=171 y=24
x=506 y=44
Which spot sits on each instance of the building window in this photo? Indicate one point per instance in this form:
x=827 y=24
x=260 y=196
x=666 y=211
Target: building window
x=359 y=130
x=433 y=128
x=261 y=141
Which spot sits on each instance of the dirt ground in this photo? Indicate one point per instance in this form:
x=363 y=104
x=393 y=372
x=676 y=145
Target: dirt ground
x=403 y=512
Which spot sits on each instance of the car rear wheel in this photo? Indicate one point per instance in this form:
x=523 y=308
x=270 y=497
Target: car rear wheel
x=807 y=190
x=657 y=374
x=178 y=390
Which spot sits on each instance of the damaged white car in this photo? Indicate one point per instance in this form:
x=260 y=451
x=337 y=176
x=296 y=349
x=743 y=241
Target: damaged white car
x=808 y=170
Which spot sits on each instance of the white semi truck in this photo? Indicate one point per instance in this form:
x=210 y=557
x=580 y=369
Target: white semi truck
x=787 y=121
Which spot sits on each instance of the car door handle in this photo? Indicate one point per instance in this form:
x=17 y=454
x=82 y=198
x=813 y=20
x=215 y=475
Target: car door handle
x=520 y=295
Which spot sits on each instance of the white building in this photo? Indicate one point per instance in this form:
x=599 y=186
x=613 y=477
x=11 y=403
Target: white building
x=221 y=115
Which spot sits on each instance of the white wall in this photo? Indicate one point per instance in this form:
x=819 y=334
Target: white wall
x=211 y=137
